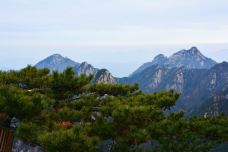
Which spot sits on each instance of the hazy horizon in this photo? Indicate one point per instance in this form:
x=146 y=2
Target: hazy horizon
x=121 y=67
x=119 y=35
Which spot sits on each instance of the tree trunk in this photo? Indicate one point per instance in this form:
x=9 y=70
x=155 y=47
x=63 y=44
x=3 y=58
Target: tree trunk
x=6 y=139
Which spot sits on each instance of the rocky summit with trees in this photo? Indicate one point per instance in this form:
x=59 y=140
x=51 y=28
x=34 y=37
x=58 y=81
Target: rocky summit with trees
x=62 y=112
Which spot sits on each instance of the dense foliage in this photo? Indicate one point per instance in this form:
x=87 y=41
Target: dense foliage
x=65 y=113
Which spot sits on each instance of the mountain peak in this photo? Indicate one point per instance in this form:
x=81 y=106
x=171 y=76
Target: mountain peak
x=55 y=56
x=104 y=76
x=159 y=59
x=159 y=56
x=84 y=64
x=85 y=68
x=191 y=59
x=56 y=62
x=223 y=65
x=193 y=51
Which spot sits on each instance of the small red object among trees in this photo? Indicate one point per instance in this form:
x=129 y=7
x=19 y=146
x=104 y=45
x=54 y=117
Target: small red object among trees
x=65 y=124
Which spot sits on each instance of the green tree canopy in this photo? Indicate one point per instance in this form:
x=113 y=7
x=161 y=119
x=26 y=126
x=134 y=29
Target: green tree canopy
x=63 y=112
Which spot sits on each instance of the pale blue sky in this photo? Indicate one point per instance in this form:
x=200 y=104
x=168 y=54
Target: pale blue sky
x=118 y=35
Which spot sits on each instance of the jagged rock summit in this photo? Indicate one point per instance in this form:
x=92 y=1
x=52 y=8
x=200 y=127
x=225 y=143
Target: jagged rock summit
x=190 y=59
x=60 y=63
x=85 y=68
x=104 y=76
x=158 y=60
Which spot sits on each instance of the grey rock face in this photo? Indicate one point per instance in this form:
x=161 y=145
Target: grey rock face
x=190 y=59
x=85 y=68
x=104 y=76
x=213 y=90
x=100 y=76
x=195 y=85
x=20 y=146
x=60 y=63
x=56 y=62
x=158 y=60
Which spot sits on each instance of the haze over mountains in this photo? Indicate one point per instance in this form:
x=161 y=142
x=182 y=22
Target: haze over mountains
x=196 y=77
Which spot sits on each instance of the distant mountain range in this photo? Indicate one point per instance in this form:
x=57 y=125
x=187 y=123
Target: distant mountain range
x=196 y=77
x=195 y=85
x=190 y=59
x=57 y=62
x=199 y=79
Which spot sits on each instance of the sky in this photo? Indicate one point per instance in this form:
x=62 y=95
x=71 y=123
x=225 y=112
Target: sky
x=119 y=35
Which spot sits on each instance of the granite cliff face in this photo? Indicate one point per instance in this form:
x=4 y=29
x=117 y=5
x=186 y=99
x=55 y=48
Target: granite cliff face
x=104 y=76
x=85 y=68
x=60 y=63
x=158 y=60
x=99 y=75
x=56 y=62
x=189 y=72
x=196 y=77
x=190 y=59
x=213 y=90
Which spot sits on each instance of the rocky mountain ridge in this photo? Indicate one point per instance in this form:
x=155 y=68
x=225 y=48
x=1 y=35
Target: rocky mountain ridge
x=195 y=85
x=196 y=77
x=190 y=59
x=85 y=68
x=57 y=62
x=104 y=76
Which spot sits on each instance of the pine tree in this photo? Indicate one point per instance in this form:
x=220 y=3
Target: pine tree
x=63 y=112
